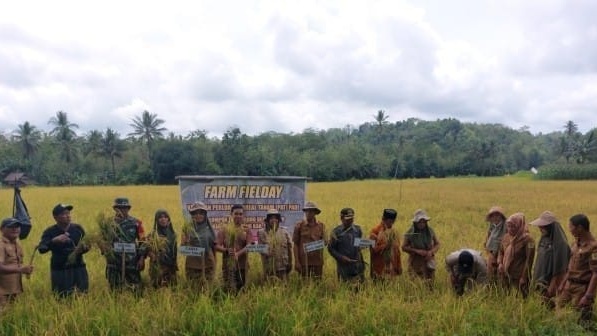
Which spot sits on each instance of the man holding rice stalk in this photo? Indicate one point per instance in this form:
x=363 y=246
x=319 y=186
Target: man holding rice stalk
x=231 y=240
x=312 y=232
x=349 y=260
x=65 y=240
x=125 y=255
x=199 y=233
x=277 y=261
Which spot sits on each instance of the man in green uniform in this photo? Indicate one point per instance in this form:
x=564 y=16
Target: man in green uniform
x=349 y=261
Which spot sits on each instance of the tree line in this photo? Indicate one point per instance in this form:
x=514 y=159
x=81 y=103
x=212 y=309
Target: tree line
x=411 y=148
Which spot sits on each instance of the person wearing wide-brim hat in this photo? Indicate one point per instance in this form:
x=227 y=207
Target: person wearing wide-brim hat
x=496 y=220
x=309 y=230
x=130 y=232
x=200 y=270
x=277 y=262
x=553 y=255
x=421 y=243
x=11 y=265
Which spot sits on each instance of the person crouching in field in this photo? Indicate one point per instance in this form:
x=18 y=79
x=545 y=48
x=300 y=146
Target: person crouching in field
x=349 y=260
x=516 y=255
x=495 y=233
x=162 y=251
x=466 y=268
x=553 y=255
x=200 y=270
x=385 y=254
x=277 y=262
x=421 y=243
x=63 y=239
x=11 y=262
x=130 y=231
x=231 y=240
x=306 y=231
x=580 y=283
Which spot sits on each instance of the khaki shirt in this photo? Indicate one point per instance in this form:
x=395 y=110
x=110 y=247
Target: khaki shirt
x=522 y=261
x=279 y=250
x=306 y=233
x=583 y=261
x=11 y=253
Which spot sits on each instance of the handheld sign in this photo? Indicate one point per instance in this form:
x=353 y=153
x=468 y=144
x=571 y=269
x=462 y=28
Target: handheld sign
x=125 y=248
x=191 y=251
x=261 y=248
x=314 y=246
x=363 y=243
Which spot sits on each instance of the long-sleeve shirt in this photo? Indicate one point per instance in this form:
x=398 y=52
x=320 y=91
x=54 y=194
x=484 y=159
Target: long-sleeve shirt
x=479 y=271
x=61 y=251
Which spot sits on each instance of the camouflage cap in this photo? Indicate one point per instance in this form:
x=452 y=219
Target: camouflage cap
x=121 y=202
x=347 y=213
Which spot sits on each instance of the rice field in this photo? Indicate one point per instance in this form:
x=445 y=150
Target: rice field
x=402 y=307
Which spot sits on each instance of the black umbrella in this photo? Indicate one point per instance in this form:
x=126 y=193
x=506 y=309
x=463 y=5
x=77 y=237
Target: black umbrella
x=20 y=212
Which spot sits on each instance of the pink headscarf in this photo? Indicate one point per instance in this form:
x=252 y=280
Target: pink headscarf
x=517 y=241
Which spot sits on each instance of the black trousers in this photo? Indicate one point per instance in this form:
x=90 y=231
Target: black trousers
x=66 y=281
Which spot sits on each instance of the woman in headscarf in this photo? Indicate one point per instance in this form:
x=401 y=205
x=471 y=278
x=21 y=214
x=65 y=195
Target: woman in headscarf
x=421 y=243
x=496 y=219
x=515 y=258
x=277 y=262
x=199 y=269
x=553 y=254
x=162 y=251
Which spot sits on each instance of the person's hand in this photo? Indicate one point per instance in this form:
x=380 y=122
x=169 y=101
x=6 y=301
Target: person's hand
x=585 y=301
x=346 y=259
x=63 y=238
x=141 y=264
x=26 y=269
x=501 y=268
x=561 y=287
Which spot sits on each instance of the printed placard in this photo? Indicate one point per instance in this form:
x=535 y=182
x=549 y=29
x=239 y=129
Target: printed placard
x=260 y=248
x=364 y=243
x=125 y=247
x=191 y=251
x=314 y=246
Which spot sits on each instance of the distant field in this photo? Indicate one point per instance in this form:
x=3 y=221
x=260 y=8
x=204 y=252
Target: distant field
x=457 y=207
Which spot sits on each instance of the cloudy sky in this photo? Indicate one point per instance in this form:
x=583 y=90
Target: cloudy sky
x=287 y=66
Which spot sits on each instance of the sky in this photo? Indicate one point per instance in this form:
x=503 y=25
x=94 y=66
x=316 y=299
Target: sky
x=286 y=66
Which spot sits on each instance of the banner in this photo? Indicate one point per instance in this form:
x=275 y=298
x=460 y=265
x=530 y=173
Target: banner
x=257 y=195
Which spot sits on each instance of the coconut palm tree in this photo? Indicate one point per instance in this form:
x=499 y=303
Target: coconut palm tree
x=112 y=147
x=28 y=136
x=147 y=129
x=64 y=132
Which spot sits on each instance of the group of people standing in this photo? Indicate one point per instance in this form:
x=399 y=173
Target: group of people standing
x=562 y=273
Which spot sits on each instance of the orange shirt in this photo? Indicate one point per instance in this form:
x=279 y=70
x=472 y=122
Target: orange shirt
x=385 y=255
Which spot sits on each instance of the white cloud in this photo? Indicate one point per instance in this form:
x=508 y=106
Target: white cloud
x=286 y=66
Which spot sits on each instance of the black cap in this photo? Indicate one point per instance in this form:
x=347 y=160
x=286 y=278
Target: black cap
x=59 y=208
x=389 y=214
x=465 y=262
x=121 y=202
x=10 y=222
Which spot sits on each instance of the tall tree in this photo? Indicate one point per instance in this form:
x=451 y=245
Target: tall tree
x=64 y=132
x=568 y=142
x=112 y=147
x=147 y=128
x=28 y=137
x=381 y=119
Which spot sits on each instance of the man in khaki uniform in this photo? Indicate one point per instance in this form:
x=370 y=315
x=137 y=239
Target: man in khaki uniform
x=580 y=282
x=309 y=230
x=232 y=241
x=11 y=262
